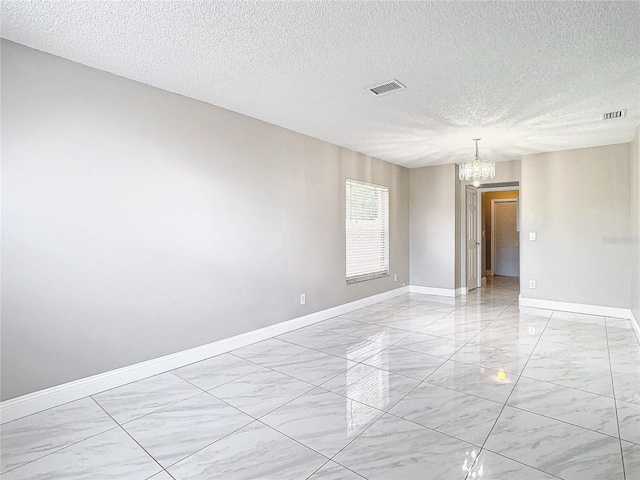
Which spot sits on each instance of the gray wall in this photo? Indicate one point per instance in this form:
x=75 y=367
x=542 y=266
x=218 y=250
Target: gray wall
x=635 y=225
x=578 y=203
x=432 y=199
x=137 y=223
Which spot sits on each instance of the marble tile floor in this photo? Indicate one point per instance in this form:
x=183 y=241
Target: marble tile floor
x=415 y=387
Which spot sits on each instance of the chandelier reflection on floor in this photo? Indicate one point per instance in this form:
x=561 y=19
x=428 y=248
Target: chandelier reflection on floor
x=477 y=169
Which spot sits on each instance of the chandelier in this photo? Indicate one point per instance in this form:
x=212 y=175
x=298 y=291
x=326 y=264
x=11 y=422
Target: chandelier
x=477 y=170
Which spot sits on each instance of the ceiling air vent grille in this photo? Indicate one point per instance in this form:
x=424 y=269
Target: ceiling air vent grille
x=386 y=88
x=617 y=114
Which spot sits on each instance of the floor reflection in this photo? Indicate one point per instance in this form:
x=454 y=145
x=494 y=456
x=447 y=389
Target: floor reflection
x=369 y=387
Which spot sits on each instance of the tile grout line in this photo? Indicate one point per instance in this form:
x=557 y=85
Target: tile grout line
x=451 y=359
x=258 y=419
x=507 y=400
x=397 y=416
x=318 y=386
x=426 y=380
x=60 y=449
x=615 y=402
x=331 y=459
x=315 y=348
x=117 y=424
x=254 y=419
x=521 y=463
x=381 y=416
x=130 y=436
x=570 y=388
x=153 y=411
x=563 y=421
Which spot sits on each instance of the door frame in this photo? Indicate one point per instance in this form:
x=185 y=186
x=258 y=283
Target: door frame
x=461 y=211
x=462 y=235
x=478 y=194
x=493 y=227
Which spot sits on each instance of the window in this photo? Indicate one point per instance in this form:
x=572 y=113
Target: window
x=367 y=228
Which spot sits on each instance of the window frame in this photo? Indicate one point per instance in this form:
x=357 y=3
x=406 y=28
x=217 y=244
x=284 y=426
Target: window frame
x=385 y=258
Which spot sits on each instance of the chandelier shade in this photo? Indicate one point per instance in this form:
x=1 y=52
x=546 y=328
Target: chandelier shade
x=477 y=169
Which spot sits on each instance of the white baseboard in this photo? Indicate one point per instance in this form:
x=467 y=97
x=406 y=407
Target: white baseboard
x=603 y=311
x=635 y=323
x=51 y=397
x=442 y=292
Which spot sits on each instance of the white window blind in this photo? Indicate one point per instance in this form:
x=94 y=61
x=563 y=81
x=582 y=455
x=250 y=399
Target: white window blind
x=367 y=229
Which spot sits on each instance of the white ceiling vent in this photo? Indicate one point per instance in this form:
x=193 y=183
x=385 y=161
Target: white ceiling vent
x=617 y=114
x=386 y=88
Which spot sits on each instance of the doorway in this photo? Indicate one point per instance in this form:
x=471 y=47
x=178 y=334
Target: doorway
x=477 y=238
x=505 y=244
x=500 y=232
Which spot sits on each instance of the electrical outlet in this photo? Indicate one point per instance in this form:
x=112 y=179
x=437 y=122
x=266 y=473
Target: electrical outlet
x=395 y=277
x=532 y=330
x=303 y=299
x=532 y=284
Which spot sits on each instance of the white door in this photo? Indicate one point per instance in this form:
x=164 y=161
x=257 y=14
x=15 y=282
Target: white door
x=472 y=238
x=507 y=240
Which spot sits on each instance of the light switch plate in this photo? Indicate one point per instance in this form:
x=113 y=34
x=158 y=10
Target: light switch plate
x=532 y=236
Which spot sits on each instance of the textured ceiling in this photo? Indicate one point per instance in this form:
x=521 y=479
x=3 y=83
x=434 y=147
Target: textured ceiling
x=525 y=76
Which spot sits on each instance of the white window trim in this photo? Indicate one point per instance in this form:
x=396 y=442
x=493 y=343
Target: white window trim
x=382 y=216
